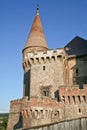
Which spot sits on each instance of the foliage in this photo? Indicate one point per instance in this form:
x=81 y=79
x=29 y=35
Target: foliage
x=3 y=125
x=4 y=114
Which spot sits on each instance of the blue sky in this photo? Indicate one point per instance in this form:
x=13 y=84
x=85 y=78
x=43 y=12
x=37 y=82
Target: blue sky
x=62 y=20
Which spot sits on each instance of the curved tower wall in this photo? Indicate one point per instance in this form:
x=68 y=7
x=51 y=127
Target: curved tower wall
x=44 y=71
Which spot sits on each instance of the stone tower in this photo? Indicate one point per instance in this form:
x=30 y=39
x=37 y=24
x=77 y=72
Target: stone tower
x=36 y=42
x=39 y=64
x=55 y=84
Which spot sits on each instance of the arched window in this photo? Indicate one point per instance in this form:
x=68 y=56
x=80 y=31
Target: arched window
x=79 y=99
x=42 y=59
x=37 y=60
x=74 y=99
x=46 y=92
x=53 y=58
x=63 y=99
x=48 y=59
x=84 y=98
x=69 y=99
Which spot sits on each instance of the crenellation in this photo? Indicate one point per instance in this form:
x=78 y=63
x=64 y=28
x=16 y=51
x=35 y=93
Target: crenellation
x=74 y=96
x=36 y=109
x=41 y=113
x=49 y=55
x=42 y=59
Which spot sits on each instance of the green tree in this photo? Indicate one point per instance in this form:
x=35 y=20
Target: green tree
x=3 y=125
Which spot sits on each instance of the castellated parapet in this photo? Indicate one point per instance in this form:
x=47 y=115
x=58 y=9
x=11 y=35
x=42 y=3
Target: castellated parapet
x=42 y=57
x=72 y=104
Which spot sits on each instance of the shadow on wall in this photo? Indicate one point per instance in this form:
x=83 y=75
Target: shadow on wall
x=27 y=84
x=80 y=71
x=57 y=95
x=19 y=123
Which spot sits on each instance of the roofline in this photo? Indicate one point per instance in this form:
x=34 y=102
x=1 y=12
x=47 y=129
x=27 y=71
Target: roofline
x=33 y=47
x=75 y=56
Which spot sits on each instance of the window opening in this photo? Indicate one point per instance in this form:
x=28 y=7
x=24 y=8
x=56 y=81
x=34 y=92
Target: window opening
x=41 y=113
x=77 y=72
x=47 y=58
x=64 y=99
x=37 y=59
x=44 y=67
x=84 y=98
x=79 y=110
x=36 y=112
x=53 y=58
x=79 y=98
x=46 y=92
x=69 y=99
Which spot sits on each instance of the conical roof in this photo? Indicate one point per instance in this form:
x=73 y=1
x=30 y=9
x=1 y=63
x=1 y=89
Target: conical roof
x=36 y=40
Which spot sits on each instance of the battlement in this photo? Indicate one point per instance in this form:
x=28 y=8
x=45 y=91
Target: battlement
x=43 y=57
x=46 y=110
x=47 y=53
x=73 y=95
x=35 y=101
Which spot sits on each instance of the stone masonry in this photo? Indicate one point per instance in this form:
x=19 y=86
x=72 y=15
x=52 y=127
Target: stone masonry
x=55 y=83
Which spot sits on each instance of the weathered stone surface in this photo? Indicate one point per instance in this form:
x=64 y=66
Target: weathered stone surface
x=55 y=88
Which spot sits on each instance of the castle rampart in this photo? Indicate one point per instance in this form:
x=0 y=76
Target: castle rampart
x=43 y=57
x=45 y=110
x=76 y=124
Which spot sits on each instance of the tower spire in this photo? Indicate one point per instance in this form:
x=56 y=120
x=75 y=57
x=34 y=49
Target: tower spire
x=37 y=11
x=36 y=40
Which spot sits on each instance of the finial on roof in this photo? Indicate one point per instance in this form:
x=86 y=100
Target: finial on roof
x=37 y=11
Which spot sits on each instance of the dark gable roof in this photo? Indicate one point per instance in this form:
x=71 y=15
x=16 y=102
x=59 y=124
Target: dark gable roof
x=77 y=47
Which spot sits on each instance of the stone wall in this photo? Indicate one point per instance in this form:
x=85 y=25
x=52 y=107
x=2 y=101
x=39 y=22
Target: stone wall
x=47 y=70
x=72 y=104
x=76 y=70
x=78 y=124
x=15 y=120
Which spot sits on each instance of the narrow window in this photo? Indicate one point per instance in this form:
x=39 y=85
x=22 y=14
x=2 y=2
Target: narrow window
x=74 y=99
x=56 y=114
x=46 y=92
x=48 y=59
x=53 y=58
x=36 y=113
x=79 y=99
x=79 y=110
x=69 y=99
x=44 y=67
x=84 y=98
x=64 y=99
x=37 y=60
x=42 y=59
x=31 y=112
x=77 y=72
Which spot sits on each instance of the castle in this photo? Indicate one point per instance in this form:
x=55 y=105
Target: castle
x=55 y=82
